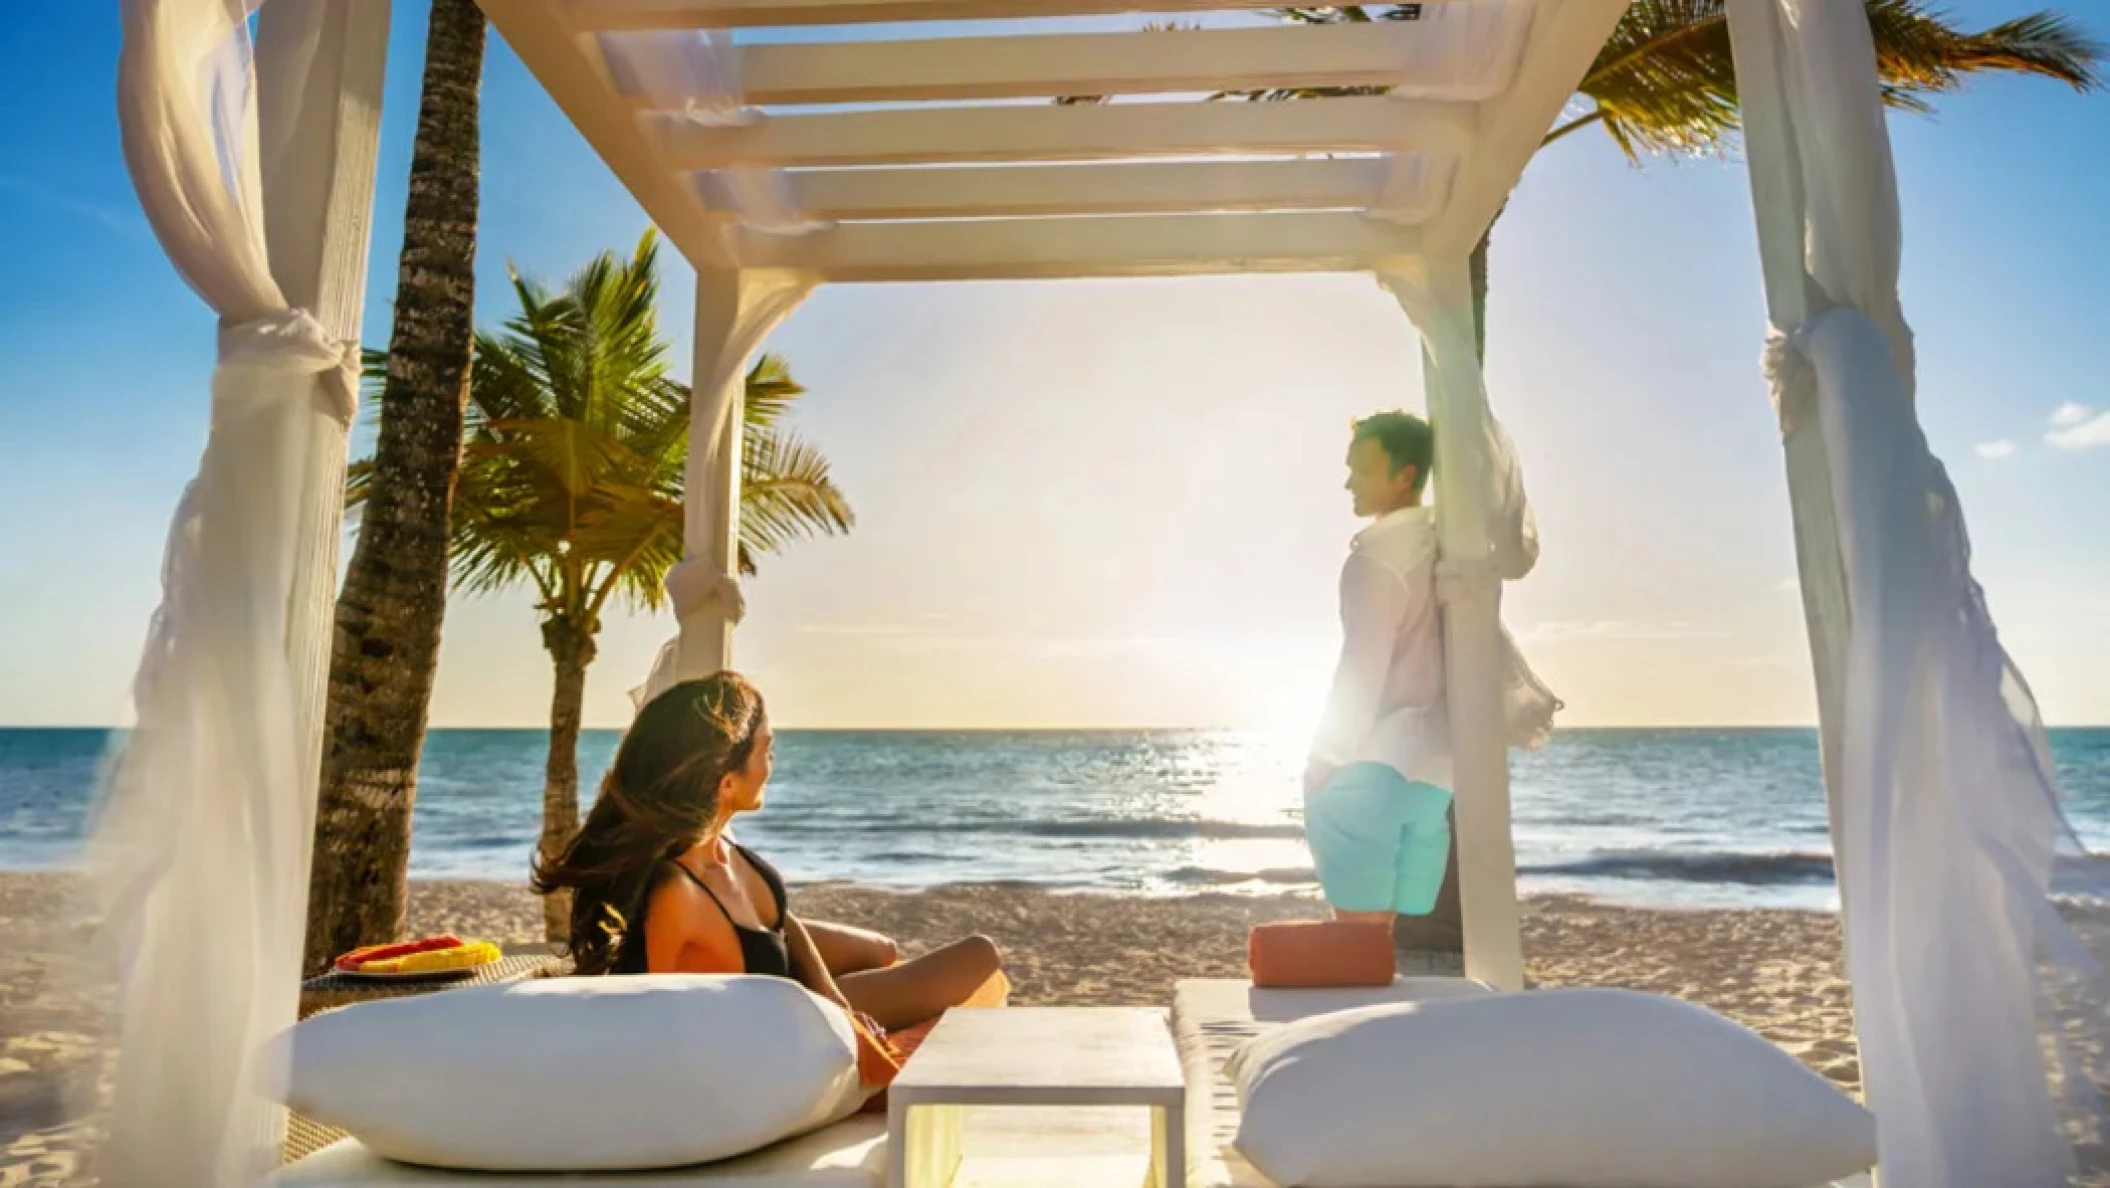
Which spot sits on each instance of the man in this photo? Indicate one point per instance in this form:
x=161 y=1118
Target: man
x=1377 y=787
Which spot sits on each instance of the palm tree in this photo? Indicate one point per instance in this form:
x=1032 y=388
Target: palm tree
x=1666 y=81
x=387 y=644
x=571 y=480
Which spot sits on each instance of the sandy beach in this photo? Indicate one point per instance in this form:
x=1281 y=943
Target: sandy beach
x=1776 y=971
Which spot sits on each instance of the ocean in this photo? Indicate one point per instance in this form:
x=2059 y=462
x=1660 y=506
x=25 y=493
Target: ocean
x=1676 y=818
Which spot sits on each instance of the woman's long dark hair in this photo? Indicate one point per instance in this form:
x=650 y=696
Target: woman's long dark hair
x=660 y=798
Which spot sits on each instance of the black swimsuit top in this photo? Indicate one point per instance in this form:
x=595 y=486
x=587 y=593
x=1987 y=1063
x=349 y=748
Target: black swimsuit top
x=762 y=950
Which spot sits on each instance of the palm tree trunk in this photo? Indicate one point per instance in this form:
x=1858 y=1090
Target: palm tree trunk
x=388 y=616
x=572 y=650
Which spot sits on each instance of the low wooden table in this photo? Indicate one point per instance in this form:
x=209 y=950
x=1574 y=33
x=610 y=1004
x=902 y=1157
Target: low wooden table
x=1034 y=1056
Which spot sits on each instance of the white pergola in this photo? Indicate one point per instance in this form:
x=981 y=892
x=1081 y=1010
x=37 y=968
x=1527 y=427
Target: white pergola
x=779 y=166
x=955 y=179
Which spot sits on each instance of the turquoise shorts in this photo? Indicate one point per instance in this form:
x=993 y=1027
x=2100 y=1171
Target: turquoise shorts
x=1380 y=842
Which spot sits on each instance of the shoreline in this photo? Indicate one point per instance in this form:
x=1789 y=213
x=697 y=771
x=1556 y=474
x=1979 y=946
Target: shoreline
x=1263 y=890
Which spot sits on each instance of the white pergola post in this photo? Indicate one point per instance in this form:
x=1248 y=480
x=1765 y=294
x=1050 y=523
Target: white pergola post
x=1436 y=295
x=735 y=310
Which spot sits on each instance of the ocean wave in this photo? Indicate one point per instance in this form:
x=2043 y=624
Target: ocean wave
x=1203 y=876
x=1172 y=830
x=1747 y=868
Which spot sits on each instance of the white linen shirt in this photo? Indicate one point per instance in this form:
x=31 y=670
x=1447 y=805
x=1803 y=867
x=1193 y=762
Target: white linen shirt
x=1387 y=703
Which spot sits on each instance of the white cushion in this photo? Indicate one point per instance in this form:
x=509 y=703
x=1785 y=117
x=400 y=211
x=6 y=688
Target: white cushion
x=1574 y=1088
x=579 y=1074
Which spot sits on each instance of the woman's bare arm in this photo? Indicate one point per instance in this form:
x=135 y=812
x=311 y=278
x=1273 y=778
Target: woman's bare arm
x=807 y=964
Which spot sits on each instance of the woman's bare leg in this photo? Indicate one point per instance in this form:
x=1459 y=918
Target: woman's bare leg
x=846 y=950
x=924 y=987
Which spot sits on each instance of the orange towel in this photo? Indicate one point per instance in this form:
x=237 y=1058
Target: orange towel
x=1306 y=954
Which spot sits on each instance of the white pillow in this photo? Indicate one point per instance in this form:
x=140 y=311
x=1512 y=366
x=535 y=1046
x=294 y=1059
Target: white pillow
x=1575 y=1088
x=579 y=1074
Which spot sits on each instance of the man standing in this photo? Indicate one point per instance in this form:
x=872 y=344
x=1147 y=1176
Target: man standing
x=1377 y=787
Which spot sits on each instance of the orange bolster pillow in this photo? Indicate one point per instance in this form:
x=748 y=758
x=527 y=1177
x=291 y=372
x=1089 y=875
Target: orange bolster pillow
x=1311 y=954
x=879 y=1060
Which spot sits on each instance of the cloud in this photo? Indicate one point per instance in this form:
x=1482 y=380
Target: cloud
x=119 y=220
x=2068 y=414
x=1995 y=450
x=1621 y=629
x=2090 y=432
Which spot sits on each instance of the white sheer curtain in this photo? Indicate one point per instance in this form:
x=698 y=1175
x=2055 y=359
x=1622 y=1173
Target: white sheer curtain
x=695 y=74
x=735 y=312
x=1946 y=817
x=201 y=842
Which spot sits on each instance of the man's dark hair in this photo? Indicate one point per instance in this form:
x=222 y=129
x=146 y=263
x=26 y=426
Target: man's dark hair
x=1406 y=439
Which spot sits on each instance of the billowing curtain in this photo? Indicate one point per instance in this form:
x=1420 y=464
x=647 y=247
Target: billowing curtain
x=202 y=837
x=694 y=74
x=1946 y=818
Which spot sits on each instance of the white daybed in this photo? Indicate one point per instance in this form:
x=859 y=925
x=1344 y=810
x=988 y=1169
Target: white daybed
x=849 y=1154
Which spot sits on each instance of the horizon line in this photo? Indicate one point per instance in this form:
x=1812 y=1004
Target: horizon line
x=1099 y=729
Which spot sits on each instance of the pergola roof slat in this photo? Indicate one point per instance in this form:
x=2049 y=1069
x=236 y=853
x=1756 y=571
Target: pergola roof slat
x=1178 y=61
x=1076 y=133
x=600 y=15
x=1040 y=249
x=864 y=151
x=1119 y=188
x=1566 y=39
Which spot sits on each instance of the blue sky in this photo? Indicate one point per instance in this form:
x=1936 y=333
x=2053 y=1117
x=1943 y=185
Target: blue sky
x=1108 y=503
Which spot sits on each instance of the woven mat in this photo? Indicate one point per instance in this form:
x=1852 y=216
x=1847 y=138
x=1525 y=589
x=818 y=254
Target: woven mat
x=333 y=990
x=305 y=1136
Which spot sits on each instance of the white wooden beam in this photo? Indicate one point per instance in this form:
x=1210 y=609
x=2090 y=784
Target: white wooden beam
x=559 y=60
x=1347 y=183
x=1079 y=133
x=1177 y=62
x=1144 y=245
x=596 y=15
x=1565 y=39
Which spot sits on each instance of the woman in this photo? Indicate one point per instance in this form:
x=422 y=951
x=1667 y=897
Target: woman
x=658 y=887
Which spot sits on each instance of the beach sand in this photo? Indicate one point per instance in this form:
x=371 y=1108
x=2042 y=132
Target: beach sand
x=1777 y=972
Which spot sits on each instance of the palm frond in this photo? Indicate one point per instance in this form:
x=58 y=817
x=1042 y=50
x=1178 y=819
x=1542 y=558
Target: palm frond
x=577 y=441
x=1666 y=80
x=358 y=483
x=770 y=392
x=786 y=494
